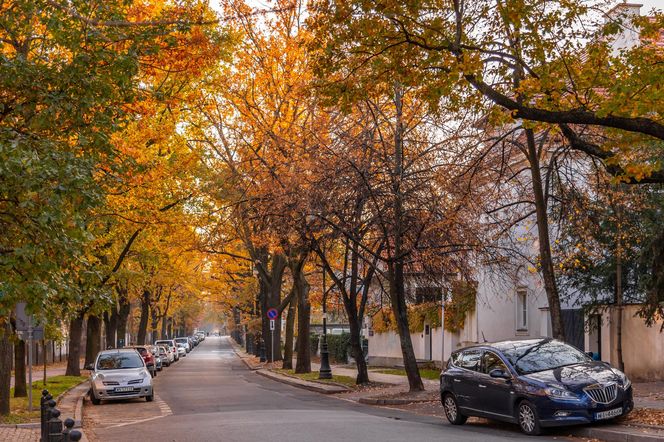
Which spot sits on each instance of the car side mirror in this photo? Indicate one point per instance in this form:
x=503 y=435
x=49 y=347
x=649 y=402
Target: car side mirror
x=90 y=367
x=500 y=374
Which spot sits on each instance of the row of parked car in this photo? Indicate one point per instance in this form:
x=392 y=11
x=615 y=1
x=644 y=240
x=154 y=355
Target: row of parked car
x=126 y=373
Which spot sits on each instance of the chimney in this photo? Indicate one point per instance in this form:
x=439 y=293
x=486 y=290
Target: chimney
x=628 y=36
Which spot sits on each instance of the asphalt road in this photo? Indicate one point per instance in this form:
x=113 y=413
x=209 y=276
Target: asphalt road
x=211 y=396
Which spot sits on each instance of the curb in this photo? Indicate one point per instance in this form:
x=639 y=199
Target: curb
x=392 y=401
x=307 y=385
x=249 y=366
x=615 y=434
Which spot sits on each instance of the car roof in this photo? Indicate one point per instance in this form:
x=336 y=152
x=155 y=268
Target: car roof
x=505 y=345
x=118 y=350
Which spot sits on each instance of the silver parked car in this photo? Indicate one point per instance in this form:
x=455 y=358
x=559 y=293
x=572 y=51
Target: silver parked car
x=170 y=343
x=120 y=374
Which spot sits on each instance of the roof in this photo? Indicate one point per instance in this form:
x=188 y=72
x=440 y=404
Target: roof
x=503 y=345
x=117 y=350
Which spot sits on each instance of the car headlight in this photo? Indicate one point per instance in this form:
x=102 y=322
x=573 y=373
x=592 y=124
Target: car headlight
x=626 y=383
x=560 y=393
x=624 y=380
x=98 y=376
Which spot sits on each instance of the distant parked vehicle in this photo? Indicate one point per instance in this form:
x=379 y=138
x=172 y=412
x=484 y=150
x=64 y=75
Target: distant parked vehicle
x=119 y=374
x=182 y=351
x=158 y=361
x=166 y=355
x=184 y=340
x=534 y=383
x=171 y=344
x=148 y=357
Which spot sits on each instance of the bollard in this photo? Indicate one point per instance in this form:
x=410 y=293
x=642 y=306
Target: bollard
x=55 y=427
x=263 y=358
x=69 y=426
x=75 y=435
x=43 y=407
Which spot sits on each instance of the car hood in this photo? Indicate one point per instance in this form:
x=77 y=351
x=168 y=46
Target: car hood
x=123 y=375
x=576 y=377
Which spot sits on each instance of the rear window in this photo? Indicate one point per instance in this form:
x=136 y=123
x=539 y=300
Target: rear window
x=115 y=361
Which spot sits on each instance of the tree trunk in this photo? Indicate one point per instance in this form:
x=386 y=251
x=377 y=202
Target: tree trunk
x=93 y=341
x=145 y=313
x=5 y=364
x=111 y=327
x=123 y=318
x=20 y=383
x=290 y=332
x=356 y=347
x=395 y=265
x=75 y=335
x=164 y=324
x=398 y=301
x=270 y=291
x=619 y=295
x=301 y=286
x=546 y=260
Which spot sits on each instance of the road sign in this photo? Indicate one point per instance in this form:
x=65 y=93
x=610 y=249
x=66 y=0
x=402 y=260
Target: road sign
x=37 y=334
x=273 y=313
x=21 y=317
x=271 y=324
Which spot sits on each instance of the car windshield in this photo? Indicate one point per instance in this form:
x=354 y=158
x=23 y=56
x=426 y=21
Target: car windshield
x=531 y=357
x=116 y=361
x=183 y=340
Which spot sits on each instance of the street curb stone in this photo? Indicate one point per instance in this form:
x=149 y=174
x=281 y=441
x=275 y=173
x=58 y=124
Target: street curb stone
x=307 y=385
x=616 y=434
x=392 y=401
x=243 y=357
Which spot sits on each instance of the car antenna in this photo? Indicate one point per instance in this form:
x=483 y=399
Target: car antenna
x=484 y=337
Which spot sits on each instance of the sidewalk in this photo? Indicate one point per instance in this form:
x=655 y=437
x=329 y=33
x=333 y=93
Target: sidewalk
x=57 y=369
x=70 y=404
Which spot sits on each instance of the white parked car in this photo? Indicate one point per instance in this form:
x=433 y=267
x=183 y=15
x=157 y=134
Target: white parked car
x=182 y=349
x=186 y=341
x=119 y=374
x=171 y=344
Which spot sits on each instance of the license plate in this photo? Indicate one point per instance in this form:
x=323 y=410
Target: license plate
x=608 y=414
x=119 y=389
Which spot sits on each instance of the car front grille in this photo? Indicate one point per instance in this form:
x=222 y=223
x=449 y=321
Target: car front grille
x=602 y=394
x=124 y=393
x=110 y=383
x=135 y=381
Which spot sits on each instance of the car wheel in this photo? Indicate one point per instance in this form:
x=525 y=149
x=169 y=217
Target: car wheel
x=94 y=400
x=149 y=398
x=452 y=412
x=528 y=420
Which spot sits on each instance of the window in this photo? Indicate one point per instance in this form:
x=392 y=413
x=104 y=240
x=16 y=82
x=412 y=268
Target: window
x=428 y=294
x=491 y=361
x=522 y=309
x=470 y=360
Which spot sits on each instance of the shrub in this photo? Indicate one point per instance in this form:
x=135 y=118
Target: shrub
x=313 y=342
x=339 y=347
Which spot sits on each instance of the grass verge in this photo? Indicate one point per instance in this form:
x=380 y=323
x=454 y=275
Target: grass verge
x=426 y=373
x=19 y=405
x=313 y=376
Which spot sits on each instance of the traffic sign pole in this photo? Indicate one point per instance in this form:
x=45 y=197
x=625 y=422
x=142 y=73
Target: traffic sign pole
x=30 y=363
x=272 y=326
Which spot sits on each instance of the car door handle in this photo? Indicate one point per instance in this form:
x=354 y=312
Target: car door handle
x=482 y=386
x=457 y=380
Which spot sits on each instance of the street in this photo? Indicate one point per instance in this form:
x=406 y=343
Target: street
x=211 y=396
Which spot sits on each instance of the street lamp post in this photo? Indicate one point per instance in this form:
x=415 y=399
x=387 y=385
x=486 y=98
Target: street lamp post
x=325 y=371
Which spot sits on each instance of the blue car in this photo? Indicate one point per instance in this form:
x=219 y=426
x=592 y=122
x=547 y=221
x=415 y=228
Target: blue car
x=534 y=383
